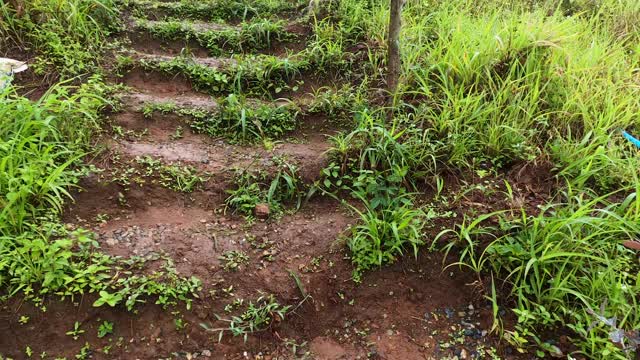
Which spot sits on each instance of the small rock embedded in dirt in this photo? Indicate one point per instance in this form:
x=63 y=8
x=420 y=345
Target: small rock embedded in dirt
x=463 y=354
x=262 y=211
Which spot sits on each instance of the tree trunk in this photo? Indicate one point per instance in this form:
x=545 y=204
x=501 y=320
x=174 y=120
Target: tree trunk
x=393 y=75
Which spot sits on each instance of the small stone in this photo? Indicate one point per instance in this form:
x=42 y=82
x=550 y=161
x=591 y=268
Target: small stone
x=111 y=241
x=262 y=211
x=464 y=354
x=206 y=353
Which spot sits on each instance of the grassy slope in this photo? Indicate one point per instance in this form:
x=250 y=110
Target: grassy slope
x=484 y=86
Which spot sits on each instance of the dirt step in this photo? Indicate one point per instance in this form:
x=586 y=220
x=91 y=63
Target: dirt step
x=138 y=101
x=147 y=36
x=202 y=39
x=208 y=10
x=185 y=27
x=168 y=103
x=213 y=63
x=167 y=74
x=219 y=158
x=258 y=74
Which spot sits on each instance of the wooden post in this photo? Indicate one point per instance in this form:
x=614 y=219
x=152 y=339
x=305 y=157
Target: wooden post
x=395 y=23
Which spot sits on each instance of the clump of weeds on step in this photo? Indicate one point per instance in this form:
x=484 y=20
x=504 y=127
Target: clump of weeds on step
x=131 y=288
x=338 y=104
x=244 y=122
x=259 y=315
x=375 y=147
x=162 y=108
x=276 y=189
x=105 y=328
x=173 y=176
x=123 y=64
x=120 y=133
x=389 y=225
x=70 y=266
x=236 y=118
x=233 y=259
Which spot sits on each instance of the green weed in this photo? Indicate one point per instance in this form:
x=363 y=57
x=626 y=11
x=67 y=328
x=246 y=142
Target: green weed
x=285 y=186
x=233 y=259
x=173 y=176
x=258 y=316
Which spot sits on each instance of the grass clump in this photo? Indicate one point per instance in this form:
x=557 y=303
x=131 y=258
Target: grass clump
x=562 y=265
x=236 y=118
x=259 y=316
x=389 y=226
x=42 y=144
x=239 y=120
x=172 y=176
x=274 y=190
x=66 y=35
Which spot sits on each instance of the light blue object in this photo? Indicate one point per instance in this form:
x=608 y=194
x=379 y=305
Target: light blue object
x=630 y=137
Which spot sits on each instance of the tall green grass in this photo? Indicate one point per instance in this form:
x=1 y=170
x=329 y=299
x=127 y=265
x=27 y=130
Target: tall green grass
x=492 y=84
x=65 y=34
x=563 y=265
x=506 y=84
x=41 y=143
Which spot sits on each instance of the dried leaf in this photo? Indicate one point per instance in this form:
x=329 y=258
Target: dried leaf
x=634 y=245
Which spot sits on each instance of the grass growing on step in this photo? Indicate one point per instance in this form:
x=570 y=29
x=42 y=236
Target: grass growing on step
x=256 y=34
x=273 y=189
x=389 y=226
x=258 y=316
x=66 y=35
x=253 y=74
x=213 y=10
x=173 y=176
x=236 y=118
x=241 y=121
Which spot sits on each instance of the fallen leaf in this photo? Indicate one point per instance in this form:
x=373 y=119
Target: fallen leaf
x=635 y=245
